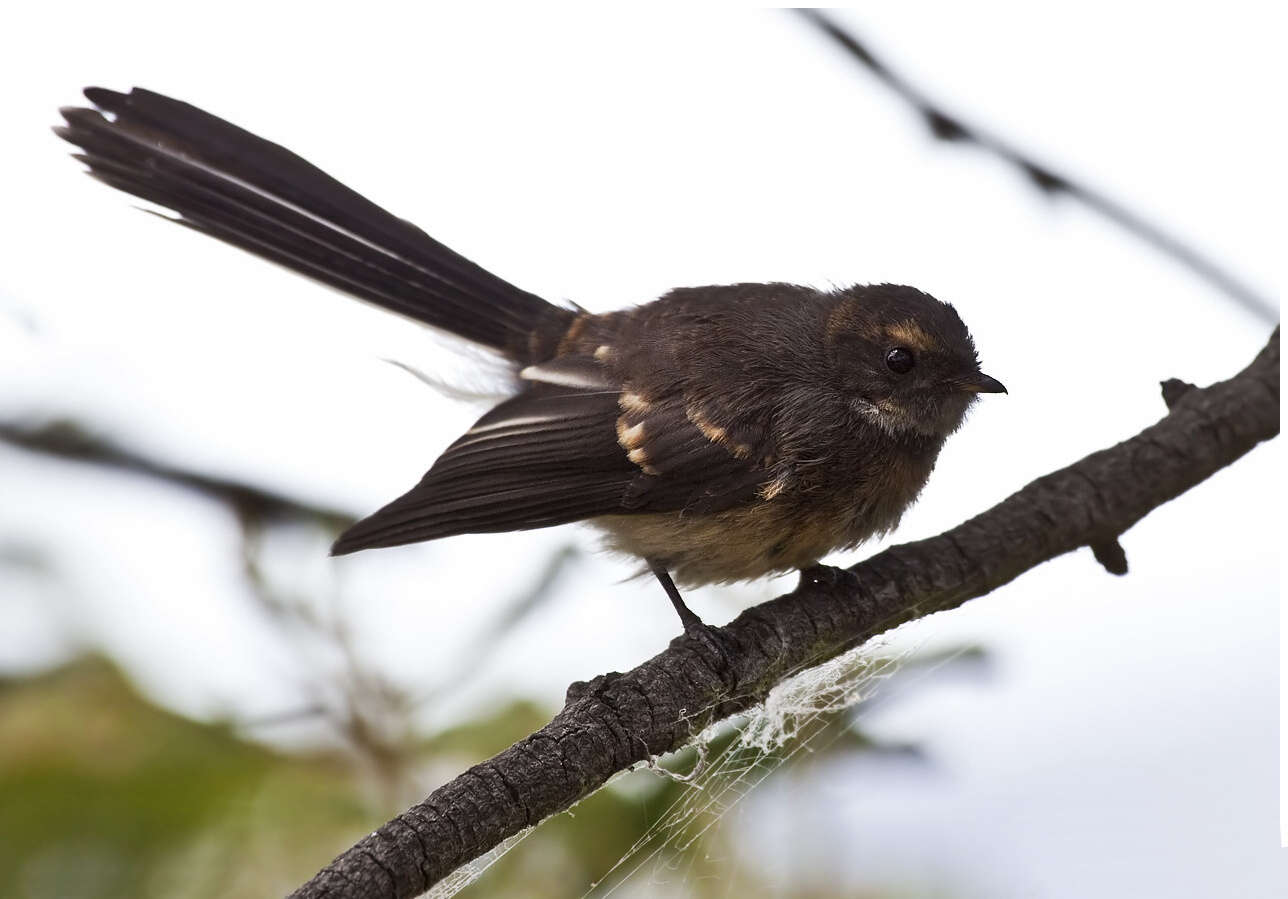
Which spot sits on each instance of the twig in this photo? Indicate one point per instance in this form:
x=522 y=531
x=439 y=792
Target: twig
x=617 y=720
x=68 y=440
x=949 y=127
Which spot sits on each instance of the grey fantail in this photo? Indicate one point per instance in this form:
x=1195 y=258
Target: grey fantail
x=717 y=433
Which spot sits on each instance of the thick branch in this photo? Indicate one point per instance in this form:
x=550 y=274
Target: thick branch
x=620 y=719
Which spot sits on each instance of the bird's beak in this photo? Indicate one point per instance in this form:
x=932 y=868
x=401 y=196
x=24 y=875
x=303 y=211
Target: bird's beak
x=978 y=382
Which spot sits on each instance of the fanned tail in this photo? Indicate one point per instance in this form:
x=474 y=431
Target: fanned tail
x=254 y=194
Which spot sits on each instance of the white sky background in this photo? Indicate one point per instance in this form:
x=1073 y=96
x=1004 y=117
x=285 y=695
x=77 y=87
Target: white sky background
x=1128 y=745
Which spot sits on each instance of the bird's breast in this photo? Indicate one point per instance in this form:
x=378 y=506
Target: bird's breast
x=793 y=530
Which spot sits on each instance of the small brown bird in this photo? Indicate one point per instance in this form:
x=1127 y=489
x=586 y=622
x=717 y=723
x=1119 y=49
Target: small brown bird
x=718 y=433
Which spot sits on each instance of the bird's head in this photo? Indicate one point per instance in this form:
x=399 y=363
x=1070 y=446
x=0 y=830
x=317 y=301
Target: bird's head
x=905 y=359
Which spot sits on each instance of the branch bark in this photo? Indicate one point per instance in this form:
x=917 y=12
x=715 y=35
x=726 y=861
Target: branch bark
x=617 y=720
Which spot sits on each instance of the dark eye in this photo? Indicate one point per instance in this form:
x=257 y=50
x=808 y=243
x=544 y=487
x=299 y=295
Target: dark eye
x=900 y=361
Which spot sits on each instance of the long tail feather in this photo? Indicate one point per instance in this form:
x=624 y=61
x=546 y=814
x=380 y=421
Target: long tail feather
x=261 y=197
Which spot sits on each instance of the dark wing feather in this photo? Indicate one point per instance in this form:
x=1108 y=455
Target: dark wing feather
x=692 y=465
x=548 y=456
x=561 y=451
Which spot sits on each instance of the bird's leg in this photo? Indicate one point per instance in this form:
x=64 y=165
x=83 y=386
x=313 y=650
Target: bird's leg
x=693 y=625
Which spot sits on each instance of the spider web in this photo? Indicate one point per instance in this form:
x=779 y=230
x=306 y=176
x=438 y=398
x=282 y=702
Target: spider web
x=799 y=716
x=471 y=871
x=729 y=760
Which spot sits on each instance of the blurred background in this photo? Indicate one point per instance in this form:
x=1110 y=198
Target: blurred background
x=195 y=700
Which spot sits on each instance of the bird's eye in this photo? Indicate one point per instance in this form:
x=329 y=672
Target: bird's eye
x=899 y=360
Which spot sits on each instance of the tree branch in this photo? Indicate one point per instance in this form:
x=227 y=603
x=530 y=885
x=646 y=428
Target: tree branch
x=617 y=720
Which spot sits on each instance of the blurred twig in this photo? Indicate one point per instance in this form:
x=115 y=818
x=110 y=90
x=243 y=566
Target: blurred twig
x=504 y=621
x=349 y=692
x=24 y=557
x=361 y=705
x=67 y=439
x=353 y=697
x=947 y=126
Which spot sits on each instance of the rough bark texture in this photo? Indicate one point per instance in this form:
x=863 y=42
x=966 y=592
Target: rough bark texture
x=617 y=720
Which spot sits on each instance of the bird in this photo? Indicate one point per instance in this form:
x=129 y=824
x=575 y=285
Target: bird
x=718 y=433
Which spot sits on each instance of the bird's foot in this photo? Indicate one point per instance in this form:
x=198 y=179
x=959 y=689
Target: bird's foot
x=710 y=638
x=712 y=643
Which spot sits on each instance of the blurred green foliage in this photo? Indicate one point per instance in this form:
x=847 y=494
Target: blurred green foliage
x=103 y=794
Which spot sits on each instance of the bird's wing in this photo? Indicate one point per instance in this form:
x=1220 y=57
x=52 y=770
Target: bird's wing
x=571 y=446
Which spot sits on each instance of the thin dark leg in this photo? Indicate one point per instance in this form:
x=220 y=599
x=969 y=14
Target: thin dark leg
x=694 y=628
x=693 y=625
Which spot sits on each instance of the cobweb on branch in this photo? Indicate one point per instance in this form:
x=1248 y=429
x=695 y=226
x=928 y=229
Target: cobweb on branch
x=726 y=762
x=471 y=871
x=733 y=757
